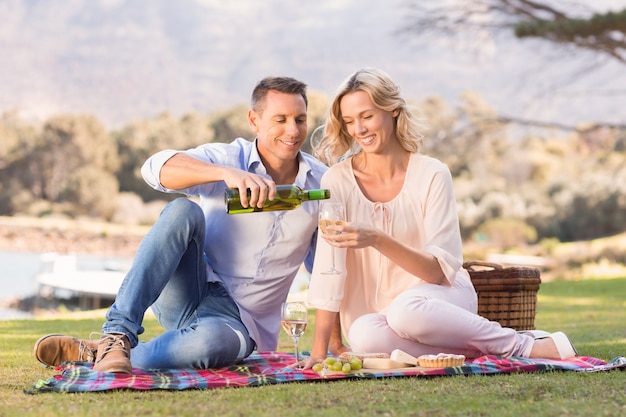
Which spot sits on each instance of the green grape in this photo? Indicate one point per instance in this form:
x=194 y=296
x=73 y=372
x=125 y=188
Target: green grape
x=355 y=363
x=336 y=366
x=330 y=360
x=318 y=367
x=346 y=368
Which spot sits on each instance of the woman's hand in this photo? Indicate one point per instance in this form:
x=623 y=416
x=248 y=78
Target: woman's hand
x=352 y=235
x=417 y=262
x=306 y=363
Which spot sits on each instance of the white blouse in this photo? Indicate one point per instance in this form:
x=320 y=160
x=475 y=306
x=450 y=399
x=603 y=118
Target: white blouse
x=423 y=215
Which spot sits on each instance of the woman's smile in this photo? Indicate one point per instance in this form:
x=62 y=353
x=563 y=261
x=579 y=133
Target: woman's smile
x=367 y=140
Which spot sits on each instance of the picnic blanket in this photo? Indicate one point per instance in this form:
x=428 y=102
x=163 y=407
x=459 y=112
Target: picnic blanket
x=273 y=368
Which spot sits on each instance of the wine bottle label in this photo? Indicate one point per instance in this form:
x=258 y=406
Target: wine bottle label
x=288 y=197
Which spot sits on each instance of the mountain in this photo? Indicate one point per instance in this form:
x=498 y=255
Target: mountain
x=132 y=59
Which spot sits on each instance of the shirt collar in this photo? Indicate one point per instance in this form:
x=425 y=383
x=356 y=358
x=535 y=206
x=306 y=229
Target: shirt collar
x=254 y=159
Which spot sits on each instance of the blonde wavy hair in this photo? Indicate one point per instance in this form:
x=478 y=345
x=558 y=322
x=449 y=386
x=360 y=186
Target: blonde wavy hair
x=336 y=144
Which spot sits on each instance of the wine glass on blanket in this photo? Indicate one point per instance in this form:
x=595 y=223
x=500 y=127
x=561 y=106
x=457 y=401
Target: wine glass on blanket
x=331 y=214
x=294 y=318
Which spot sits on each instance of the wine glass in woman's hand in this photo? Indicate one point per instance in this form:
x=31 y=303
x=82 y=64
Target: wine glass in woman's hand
x=331 y=214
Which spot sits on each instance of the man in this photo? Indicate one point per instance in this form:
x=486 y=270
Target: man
x=215 y=281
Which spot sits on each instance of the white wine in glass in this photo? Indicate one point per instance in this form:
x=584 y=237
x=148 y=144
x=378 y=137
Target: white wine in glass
x=294 y=318
x=331 y=214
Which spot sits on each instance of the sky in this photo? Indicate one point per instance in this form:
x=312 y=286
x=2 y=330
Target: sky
x=227 y=46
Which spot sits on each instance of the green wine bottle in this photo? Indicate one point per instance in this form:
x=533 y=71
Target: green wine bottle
x=288 y=197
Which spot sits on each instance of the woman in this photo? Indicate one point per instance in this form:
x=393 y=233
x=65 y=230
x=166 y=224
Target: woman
x=403 y=285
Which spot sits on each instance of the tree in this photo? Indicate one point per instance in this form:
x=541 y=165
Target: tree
x=469 y=140
x=92 y=192
x=17 y=141
x=604 y=33
x=140 y=139
x=568 y=25
x=67 y=143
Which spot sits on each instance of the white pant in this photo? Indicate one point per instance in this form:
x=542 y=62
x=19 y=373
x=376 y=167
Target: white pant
x=429 y=319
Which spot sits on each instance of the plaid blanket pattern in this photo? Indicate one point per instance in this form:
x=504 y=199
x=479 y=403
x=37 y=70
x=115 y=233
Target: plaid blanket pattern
x=272 y=368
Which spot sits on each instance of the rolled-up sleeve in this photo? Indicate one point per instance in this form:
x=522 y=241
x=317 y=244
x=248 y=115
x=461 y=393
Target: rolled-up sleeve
x=151 y=169
x=442 y=236
x=326 y=292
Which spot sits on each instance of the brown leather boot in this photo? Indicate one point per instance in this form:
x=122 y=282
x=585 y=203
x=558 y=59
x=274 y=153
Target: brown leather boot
x=54 y=349
x=113 y=354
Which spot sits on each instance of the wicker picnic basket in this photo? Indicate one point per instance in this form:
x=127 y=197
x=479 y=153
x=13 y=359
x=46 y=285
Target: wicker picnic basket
x=507 y=295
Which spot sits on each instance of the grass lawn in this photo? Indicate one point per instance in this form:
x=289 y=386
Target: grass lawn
x=591 y=312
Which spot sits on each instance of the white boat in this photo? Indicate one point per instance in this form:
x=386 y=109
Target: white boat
x=61 y=278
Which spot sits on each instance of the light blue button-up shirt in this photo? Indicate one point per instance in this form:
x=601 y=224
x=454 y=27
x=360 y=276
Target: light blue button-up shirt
x=256 y=255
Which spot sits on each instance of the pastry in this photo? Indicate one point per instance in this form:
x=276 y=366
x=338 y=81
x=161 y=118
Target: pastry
x=441 y=360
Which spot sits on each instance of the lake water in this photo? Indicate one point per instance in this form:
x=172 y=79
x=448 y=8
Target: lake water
x=17 y=278
x=19 y=271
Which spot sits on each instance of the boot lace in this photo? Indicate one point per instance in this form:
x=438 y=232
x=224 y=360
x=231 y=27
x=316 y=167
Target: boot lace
x=113 y=342
x=85 y=353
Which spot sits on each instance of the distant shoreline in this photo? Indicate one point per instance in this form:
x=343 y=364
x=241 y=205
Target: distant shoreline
x=69 y=236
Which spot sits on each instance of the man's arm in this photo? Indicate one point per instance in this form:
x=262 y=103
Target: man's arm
x=183 y=171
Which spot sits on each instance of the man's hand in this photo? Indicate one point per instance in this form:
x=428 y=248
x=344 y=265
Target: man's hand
x=183 y=171
x=261 y=188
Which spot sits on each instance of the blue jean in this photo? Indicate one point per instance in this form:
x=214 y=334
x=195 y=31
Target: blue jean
x=203 y=328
